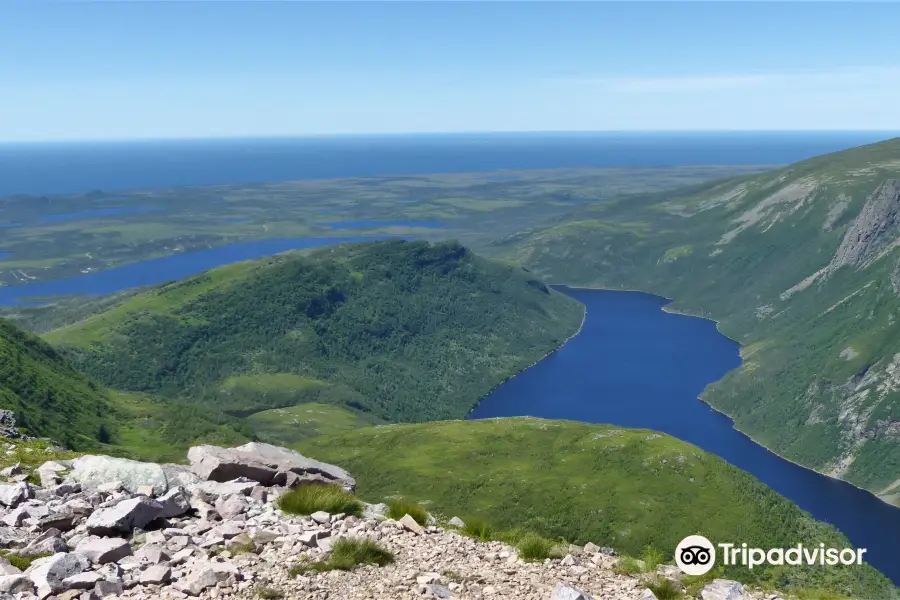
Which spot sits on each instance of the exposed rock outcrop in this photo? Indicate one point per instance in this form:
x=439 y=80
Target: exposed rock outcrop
x=264 y=463
x=876 y=227
x=8 y=428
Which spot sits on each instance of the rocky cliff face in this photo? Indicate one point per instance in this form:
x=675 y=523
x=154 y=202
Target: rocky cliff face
x=101 y=527
x=875 y=228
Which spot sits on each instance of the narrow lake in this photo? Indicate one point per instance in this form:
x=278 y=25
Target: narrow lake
x=635 y=365
x=161 y=270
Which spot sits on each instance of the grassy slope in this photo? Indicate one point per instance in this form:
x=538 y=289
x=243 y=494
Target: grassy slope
x=800 y=391
x=400 y=330
x=580 y=482
x=293 y=424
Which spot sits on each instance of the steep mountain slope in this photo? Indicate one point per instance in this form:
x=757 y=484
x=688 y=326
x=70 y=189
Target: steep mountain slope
x=51 y=399
x=624 y=488
x=399 y=330
x=801 y=265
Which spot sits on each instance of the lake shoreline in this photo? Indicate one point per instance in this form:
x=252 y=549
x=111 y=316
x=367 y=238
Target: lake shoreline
x=666 y=308
x=520 y=371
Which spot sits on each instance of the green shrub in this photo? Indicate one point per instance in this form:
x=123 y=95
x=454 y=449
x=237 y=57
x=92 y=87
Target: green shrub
x=311 y=498
x=478 y=528
x=533 y=547
x=346 y=555
x=664 y=589
x=401 y=506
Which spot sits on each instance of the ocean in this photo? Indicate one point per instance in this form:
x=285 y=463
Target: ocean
x=79 y=167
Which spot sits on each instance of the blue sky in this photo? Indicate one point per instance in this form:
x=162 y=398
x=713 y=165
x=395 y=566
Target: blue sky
x=203 y=69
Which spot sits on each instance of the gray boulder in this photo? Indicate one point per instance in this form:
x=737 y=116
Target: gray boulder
x=179 y=475
x=456 y=522
x=567 y=592
x=92 y=471
x=82 y=581
x=205 y=575
x=8 y=569
x=13 y=494
x=409 y=524
x=50 y=473
x=214 y=489
x=64 y=520
x=375 y=511
x=175 y=503
x=724 y=589
x=49 y=542
x=103 y=550
x=108 y=587
x=124 y=516
x=156 y=575
x=231 y=506
x=151 y=554
x=50 y=572
x=591 y=548
x=11 y=471
x=16 y=584
x=265 y=463
x=15 y=517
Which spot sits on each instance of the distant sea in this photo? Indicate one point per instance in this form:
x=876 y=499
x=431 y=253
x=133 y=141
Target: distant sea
x=72 y=168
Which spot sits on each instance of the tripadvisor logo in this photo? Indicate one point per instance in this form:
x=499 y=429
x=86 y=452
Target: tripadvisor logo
x=696 y=555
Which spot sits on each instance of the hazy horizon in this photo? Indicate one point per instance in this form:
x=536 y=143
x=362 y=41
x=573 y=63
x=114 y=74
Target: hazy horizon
x=472 y=134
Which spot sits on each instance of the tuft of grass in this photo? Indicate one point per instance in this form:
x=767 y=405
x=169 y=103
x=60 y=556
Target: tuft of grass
x=533 y=547
x=478 y=528
x=452 y=576
x=310 y=498
x=664 y=589
x=248 y=548
x=346 y=555
x=267 y=593
x=399 y=507
x=22 y=562
x=652 y=558
x=629 y=566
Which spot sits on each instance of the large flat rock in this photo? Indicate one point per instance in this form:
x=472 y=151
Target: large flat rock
x=265 y=463
x=92 y=471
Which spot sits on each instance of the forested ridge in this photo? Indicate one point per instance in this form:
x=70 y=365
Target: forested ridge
x=405 y=331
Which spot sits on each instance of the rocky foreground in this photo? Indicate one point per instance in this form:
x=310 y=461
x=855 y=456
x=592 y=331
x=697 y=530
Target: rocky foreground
x=101 y=527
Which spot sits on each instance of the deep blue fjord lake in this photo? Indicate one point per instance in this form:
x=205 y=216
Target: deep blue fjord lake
x=635 y=365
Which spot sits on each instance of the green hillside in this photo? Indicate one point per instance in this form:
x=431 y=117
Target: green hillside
x=620 y=487
x=49 y=398
x=801 y=265
x=53 y=400
x=401 y=331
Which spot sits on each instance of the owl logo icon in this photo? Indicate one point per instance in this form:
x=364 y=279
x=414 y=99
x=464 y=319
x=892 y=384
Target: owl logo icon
x=695 y=555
